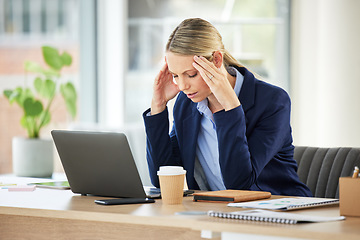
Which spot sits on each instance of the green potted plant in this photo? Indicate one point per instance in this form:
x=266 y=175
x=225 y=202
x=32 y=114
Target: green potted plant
x=33 y=156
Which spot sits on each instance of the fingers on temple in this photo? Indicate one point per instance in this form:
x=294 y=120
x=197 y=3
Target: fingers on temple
x=208 y=66
x=163 y=73
x=200 y=69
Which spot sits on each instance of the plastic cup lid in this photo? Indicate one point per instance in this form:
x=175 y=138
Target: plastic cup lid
x=171 y=170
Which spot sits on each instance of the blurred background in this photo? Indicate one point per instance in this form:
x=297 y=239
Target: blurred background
x=308 y=47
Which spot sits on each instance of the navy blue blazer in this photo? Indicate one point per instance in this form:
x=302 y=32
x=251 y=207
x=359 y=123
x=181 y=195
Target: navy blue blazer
x=255 y=141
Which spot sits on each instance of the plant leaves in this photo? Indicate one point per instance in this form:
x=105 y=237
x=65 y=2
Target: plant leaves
x=50 y=73
x=29 y=123
x=68 y=92
x=45 y=88
x=24 y=123
x=66 y=59
x=39 y=85
x=45 y=118
x=32 y=107
x=35 y=114
x=52 y=57
x=49 y=88
x=36 y=68
x=16 y=95
x=12 y=95
x=7 y=93
x=25 y=93
x=33 y=67
x=71 y=107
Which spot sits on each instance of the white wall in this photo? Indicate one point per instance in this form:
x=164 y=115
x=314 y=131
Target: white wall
x=325 y=82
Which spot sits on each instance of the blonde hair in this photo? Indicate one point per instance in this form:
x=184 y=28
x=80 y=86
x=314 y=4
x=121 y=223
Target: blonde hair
x=195 y=36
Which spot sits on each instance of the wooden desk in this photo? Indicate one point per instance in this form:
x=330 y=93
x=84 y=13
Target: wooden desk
x=60 y=214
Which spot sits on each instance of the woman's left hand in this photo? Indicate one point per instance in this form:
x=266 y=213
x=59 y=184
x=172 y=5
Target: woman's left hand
x=216 y=79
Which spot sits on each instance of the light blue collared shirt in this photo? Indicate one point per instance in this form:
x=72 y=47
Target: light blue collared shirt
x=207 y=150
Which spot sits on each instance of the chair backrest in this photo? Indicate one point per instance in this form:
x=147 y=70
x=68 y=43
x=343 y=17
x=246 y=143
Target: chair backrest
x=320 y=168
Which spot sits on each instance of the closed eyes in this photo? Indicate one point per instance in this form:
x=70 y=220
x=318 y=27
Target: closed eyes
x=190 y=76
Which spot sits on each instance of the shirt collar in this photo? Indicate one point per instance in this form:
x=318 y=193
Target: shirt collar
x=239 y=79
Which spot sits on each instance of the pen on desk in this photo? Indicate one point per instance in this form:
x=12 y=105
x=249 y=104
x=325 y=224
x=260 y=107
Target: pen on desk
x=356 y=172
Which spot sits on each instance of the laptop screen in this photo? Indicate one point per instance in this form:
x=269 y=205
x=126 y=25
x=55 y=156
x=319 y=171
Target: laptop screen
x=98 y=163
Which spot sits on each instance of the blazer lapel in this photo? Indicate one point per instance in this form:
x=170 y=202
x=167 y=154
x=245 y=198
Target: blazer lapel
x=190 y=132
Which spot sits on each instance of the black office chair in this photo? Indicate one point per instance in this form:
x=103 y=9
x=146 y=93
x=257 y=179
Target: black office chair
x=320 y=168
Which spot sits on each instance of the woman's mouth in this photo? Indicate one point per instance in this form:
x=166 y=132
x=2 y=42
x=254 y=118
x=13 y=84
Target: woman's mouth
x=191 y=95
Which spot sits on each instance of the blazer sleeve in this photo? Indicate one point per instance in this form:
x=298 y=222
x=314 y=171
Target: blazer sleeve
x=161 y=148
x=243 y=153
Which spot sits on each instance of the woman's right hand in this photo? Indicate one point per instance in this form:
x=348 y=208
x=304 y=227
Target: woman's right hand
x=164 y=89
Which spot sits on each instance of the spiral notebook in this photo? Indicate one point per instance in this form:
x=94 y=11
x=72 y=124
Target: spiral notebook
x=287 y=203
x=261 y=215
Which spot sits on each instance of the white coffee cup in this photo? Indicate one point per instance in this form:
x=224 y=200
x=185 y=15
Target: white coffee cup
x=171 y=170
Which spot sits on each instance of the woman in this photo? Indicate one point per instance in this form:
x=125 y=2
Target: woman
x=231 y=130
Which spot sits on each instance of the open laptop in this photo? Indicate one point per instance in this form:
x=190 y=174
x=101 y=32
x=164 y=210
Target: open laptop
x=100 y=163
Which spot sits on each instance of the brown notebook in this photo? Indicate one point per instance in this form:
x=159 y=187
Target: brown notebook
x=230 y=196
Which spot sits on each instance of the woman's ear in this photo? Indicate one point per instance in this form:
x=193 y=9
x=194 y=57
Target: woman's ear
x=217 y=59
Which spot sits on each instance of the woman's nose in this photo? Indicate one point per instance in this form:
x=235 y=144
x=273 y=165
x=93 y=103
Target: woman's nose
x=182 y=84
